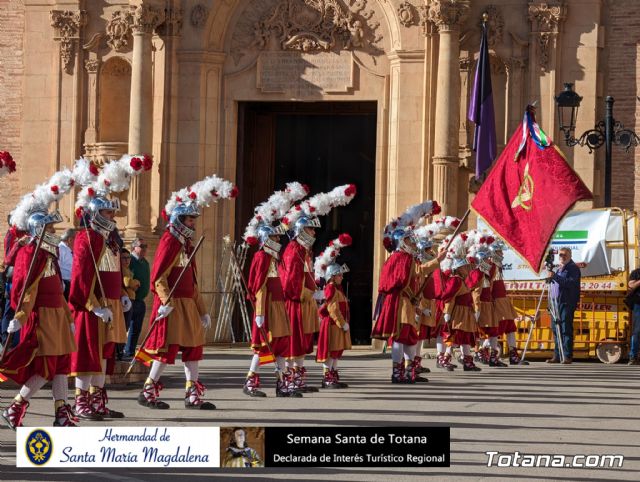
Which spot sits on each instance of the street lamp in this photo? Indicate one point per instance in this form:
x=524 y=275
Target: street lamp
x=605 y=133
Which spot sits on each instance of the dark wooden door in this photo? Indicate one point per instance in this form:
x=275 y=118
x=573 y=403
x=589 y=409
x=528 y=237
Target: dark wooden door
x=322 y=144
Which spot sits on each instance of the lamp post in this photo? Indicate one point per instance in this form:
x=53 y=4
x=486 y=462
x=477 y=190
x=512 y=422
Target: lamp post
x=605 y=133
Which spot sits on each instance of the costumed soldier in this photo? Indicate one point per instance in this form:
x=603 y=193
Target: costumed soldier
x=503 y=311
x=7 y=166
x=334 y=336
x=399 y=287
x=487 y=322
x=266 y=293
x=96 y=296
x=462 y=311
x=42 y=315
x=430 y=314
x=179 y=323
x=296 y=273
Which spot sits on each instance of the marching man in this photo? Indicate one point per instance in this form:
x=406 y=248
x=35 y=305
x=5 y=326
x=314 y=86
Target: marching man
x=41 y=312
x=297 y=276
x=397 y=311
x=179 y=317
x=334 y=336
x=270 y=319
x=463 y=312
x=96 y=296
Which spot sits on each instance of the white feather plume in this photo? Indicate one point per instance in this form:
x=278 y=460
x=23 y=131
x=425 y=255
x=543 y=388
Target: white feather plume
x=203 y=193
x=42 y=197
x=329 y=255
x=274 y=208
x=321 y=204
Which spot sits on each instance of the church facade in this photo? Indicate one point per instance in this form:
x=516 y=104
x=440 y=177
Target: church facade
x=327 y=92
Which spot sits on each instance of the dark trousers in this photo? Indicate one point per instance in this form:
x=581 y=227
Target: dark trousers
x=127 y=323
x=7 y=316
x=137 y=317
x=67 y=287
x=565 y=322
x=635 y=333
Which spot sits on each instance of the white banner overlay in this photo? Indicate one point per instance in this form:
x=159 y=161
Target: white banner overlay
x=582 y=231
x=118 y=447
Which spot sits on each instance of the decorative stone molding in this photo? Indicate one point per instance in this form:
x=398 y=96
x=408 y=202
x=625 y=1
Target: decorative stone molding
x=146 y=19
x=407 y=14
x=119 y=30
x=172 y=25
x=67 y=25
x=317 y=25
x=546 y=19
x=199 y=15
x=495 y=24
x=448 y=14
x=91 y=65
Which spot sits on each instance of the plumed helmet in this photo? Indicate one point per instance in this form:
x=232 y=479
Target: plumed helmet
x=334 y=270
x=305 y=222
x=177 y=217
x=99 y=203
x=266 y=230
x=38 y=220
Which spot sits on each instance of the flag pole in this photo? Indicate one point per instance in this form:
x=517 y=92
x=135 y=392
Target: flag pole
x=458 y=227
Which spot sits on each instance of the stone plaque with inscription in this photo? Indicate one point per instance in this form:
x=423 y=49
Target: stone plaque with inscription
x=300 y=74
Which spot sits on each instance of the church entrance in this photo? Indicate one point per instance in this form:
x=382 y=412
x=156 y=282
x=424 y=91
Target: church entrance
x=322 y=144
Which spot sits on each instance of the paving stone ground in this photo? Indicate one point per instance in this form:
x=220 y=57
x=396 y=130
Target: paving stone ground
x=585 y=408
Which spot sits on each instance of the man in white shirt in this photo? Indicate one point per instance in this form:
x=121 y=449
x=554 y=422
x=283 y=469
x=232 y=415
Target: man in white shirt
x=65 y=259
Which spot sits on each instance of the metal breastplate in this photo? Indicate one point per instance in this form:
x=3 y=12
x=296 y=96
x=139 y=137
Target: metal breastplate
x=183 y=260
x=49 y=268
x=109 y=262
x=273 y=270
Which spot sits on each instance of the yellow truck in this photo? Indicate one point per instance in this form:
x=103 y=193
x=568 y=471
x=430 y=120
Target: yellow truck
x=602 y=322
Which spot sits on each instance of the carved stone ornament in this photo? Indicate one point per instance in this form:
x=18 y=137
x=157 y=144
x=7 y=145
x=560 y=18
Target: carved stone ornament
x=172 y=25
x=546 y=18
x=495 y=24
x=146 y=19
x=119 y=30
x=91 y=65
x=199 y=14
x=67 y=24
x=407 y=14
x=116 y=67
x=448 y=14
x=316 y=25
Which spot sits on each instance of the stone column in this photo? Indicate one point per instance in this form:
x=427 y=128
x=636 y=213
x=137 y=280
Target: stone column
x=447 y=15
x=145 y=19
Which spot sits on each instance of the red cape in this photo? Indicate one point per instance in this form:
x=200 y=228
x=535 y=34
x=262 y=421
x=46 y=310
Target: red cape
x=395 y=275
x=83 y=272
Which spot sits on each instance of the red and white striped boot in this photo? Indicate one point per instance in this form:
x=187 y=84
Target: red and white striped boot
x=285 y=387
x=149 y=395
x=336 y=377
x=299 y=380
x=398 y=373
x=494 y=360
x=415 y=374
x=328 y=380
x=252 y=385
x=469 y=366
x=99 y=400
x=192 y=397
x=83 y=408
x=15 y=412
x=514 y=357
x=64 y=417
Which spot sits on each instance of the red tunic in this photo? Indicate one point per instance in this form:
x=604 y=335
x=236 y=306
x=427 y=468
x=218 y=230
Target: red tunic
x=395 y=276
x=462 y=315
x=45 y=342
x=503 y=310
x=183 y=323
x=267 y=291
x=332 y=339
x=301 y=308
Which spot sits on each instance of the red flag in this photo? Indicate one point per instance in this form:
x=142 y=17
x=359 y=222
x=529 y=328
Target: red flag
x=528 y=191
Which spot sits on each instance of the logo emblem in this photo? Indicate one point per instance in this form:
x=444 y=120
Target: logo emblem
x=524 y=199
x=39 y=447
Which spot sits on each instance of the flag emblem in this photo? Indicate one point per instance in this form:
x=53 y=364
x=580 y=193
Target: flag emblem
x=524 y=199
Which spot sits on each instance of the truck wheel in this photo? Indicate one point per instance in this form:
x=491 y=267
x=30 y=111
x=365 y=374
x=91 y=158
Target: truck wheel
x=609 y=352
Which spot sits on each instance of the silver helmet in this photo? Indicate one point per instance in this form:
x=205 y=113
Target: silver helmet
x=38 y=220
x=265 y=231
x=98 y=221
x=400 y=238
x=299 y=234
x=334 y=270
x=459 y=263
x=496 y=250
x=176 y=226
